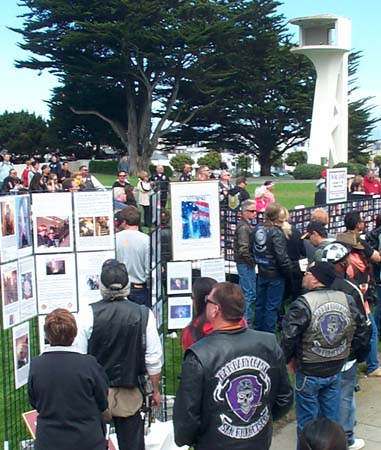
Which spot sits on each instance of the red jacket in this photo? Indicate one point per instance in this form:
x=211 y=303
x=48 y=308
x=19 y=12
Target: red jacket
x=372 y=187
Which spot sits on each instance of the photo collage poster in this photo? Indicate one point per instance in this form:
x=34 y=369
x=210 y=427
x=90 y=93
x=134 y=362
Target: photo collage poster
x=197 y=235
x=18 y=290
x=89 y=266
x=180 y=312
x=15 y=229
x=94 y=228
x=56 y=282
x=52 y=222
x=21 y=353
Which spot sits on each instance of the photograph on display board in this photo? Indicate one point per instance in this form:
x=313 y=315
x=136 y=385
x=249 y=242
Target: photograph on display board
x=158 y=312
x=56 y=282
x=8 y=218
x=93 y=217
x=23 y=228
x=9 y=293
x=179 y=277
x=27 y=288
x=53 y=232
x=198 y=231
x=21 y=353
x=8 y=242
x=52 y=222
x=86 y=226
x=89 y=267
x=180 y=312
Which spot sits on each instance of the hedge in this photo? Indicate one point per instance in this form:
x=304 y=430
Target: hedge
x=307 y=171
x=107 y=167
x=353 y=168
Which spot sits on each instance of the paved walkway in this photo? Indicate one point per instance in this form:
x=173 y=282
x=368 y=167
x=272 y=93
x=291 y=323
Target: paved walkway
x=368 y=419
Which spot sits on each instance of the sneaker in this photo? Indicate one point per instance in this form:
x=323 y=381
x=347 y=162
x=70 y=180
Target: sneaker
x=375 y=373
x=358 y=443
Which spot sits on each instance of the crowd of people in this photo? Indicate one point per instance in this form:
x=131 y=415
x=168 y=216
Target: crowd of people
x=48 y=177
x=234 y=379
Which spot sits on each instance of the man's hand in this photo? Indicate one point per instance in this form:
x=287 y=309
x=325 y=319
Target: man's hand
x=156 y=399
x=292 y=366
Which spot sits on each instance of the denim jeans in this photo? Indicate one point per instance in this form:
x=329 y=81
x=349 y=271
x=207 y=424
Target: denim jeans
x=348 y=403
x=247 y=282
x=140 y=296
x=269 y=301
x=377 y=311
x=316 y=396
x=372 y=359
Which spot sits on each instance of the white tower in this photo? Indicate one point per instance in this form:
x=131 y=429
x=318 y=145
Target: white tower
x=326 y=41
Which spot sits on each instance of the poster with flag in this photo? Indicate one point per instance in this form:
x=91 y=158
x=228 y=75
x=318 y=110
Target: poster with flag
x=195 y=220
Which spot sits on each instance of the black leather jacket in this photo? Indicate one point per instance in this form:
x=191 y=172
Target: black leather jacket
x=361 y=340
x=270 y=252
x=243 y=243
x=297 y=321
x=233 y=384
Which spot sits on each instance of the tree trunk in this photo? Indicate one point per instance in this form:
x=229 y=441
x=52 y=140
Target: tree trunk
x=265 y=162
x=139 y=130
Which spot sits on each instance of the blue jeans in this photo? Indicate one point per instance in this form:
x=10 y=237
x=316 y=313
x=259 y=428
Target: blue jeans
x=372 y=359
x=316 y=396
x=140 y=296
x=269 y=300
x=377 y=311
x=247 y=282
x=348 y=403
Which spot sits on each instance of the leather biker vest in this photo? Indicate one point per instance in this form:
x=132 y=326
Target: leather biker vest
x=330 y=332
x=116 y=340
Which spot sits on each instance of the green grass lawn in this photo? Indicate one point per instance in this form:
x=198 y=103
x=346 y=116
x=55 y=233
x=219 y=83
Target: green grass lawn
x=287 y=192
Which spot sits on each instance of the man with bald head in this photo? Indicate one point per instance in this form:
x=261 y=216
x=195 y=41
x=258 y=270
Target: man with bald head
x=161 y=180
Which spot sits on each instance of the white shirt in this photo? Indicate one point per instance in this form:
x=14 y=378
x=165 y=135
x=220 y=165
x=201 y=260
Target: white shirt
x=154 y=353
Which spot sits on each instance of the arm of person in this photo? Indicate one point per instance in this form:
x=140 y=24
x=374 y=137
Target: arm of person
x=360 y=345
x=153 y=357
x=244 y=250
x=285 y=395
x=100 y=386
x=373 y=255
x=31 y=393
x=188 y=402
x=280 y=252
x=85 y=323
x=97 y=184
x=294 y=324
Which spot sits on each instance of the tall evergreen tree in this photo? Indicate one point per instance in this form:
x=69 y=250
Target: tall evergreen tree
x=131 y=55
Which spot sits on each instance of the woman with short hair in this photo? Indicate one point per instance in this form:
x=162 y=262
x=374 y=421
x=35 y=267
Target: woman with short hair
x=68 y=390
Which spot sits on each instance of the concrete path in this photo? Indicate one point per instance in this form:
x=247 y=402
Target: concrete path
x=368 y=419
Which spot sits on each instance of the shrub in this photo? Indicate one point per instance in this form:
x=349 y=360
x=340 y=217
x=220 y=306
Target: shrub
x=178 y=161
x=107 y=167
x=307 y=171
x=353 y=168
x=167 y=170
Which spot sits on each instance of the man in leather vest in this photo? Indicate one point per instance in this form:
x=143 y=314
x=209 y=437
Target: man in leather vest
x=234 y=381
x=317 y=333
x=113 y=330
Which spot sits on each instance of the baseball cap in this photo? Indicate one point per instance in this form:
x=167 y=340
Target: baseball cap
x=317 y=226
x=323 y=271
x=114 y=275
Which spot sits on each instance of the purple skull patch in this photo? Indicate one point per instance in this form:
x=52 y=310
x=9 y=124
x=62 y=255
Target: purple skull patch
x=332 y=326
x=244 y=396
